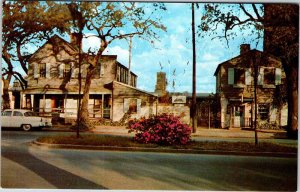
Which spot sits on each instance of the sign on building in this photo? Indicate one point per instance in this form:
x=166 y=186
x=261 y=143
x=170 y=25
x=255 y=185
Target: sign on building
x=180 y=99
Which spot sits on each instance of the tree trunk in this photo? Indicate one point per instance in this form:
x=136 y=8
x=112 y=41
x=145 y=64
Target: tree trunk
x=5 y=96
x=292 y=92
x=84 y=112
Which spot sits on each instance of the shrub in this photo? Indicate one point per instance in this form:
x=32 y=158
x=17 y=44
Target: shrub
x=163 y=129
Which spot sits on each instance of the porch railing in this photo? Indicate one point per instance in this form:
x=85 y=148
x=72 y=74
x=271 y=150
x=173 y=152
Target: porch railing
x=71 y=112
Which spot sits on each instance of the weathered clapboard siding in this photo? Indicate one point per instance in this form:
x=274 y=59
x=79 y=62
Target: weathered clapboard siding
x=47 y=55
x=246 y=62
x=122 y=91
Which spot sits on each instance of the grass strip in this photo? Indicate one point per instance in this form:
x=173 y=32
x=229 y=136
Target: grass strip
x=121 y=141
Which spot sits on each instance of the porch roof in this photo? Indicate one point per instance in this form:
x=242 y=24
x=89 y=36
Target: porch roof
x=37 y=91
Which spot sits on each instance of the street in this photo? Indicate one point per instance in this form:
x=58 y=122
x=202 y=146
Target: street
x=27 y=166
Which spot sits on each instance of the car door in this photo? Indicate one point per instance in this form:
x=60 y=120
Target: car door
x=17 y=118
x=6 y=118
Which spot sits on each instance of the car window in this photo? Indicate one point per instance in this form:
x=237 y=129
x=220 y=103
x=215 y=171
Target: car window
x=30 y=113
x=6 y=113
x=17 y=113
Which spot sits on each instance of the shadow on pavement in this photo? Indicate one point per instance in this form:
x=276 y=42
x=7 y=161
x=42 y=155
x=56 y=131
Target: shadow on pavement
x=58 y=177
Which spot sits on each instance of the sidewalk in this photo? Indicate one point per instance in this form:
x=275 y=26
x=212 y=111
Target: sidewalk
x=202 y=132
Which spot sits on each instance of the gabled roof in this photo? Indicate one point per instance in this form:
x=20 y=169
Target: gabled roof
x=239 y=56
x=131 y=87
x=243 y=55
x=55 y=39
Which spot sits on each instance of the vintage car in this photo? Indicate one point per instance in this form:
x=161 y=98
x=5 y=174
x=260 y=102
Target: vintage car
x=25 y=119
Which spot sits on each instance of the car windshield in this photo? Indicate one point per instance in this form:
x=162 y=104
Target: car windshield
x=30 y=113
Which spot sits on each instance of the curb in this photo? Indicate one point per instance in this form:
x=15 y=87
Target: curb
x=183 y=151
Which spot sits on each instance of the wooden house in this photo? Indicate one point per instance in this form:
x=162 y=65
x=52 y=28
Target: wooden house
x=235 y=89
x=53 y=84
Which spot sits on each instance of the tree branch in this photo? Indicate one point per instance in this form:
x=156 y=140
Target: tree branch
x=21 y=59
x=247 y=13
x=256 y=12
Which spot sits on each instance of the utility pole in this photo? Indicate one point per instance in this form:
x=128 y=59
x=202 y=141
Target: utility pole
x=255 y=99
x=79 y=42
x=129 y=62
x=194 y=102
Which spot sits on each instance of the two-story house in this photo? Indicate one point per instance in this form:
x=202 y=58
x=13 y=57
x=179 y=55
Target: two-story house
x=53 y=84
x=235 y=89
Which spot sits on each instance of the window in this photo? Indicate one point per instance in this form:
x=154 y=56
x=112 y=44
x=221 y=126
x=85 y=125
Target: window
x=66 y=70
x=269 y=76
x=263 y=111
x=132 y=105
x=236 y=76
x=98 y=71
x=6 y=113
x=42 y=70
x=17 y=113
x=118 y=73
x=239 y=76
x=57 y=104
x=237 y=111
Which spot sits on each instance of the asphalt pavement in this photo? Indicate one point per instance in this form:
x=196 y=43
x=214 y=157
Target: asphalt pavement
x=28 y=166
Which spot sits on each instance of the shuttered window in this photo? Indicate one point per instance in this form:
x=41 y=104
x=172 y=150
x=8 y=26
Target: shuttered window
x=278 y=76
x=239 y=76
x=236 y=76
x=260 y=79
x=61 y=70
x=269 y=76
x=48 y=70
x=230 y=76
x=248 y=76
x=67 y=69
x=36 y=70
x=42 y=69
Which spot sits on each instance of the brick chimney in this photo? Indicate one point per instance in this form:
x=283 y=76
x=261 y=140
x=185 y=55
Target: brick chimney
x=74 y=38
x=244 y=48
x=161 y=84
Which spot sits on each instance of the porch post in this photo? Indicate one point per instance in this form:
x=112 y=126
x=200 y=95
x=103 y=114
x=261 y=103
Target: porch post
x=230 y=121
x=31 y=101
x=251 y=114
x=65 y=104
x=21 y=100
x=44 y=102
x=102 y=106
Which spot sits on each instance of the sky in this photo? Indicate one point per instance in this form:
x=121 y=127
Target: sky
x=174 y=53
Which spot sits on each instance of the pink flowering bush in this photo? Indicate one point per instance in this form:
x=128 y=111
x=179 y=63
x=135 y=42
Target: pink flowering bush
x=163 y=129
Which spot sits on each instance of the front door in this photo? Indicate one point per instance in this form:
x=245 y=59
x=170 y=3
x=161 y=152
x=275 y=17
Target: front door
x=237 y=116
x=242 y=116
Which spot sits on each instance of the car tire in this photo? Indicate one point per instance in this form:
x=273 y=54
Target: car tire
x=26 y=127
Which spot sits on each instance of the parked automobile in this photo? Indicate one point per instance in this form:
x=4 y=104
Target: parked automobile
x=25 y=119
